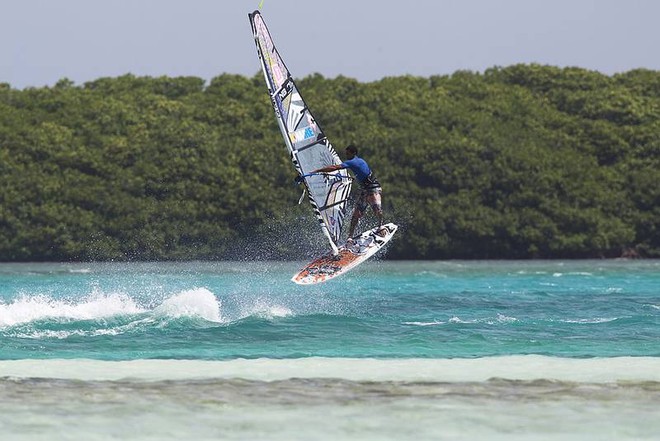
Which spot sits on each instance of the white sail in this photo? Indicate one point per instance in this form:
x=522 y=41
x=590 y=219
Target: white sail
x=306 y=142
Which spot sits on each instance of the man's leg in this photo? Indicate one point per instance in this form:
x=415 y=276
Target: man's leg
x=354 y=221
x=375 y=202
x=358 y=211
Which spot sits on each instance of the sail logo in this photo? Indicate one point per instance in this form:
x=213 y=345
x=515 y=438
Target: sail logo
x=301 y=135
x=286 y=89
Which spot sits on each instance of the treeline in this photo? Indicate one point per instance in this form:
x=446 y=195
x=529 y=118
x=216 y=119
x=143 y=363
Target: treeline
x=527 y=161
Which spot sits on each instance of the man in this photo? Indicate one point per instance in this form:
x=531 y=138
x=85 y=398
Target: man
x=369 y=187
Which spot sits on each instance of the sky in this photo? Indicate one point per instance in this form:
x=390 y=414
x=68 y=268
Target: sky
x=43 y=41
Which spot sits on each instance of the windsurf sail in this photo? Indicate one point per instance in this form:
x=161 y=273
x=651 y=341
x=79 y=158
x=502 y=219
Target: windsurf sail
x=308 y=146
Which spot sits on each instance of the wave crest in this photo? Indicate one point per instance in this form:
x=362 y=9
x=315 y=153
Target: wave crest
x=197 y=302
x=42 y=316
x=28 y=309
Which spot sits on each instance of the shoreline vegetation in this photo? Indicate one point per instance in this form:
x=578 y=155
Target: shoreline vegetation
x=518 y=162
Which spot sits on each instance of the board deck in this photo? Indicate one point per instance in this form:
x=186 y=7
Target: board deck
x=329 y=266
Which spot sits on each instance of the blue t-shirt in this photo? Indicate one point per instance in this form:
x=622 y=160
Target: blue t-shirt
x=358 y=166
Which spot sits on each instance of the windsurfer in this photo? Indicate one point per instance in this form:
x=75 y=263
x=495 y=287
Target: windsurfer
x=370 y=190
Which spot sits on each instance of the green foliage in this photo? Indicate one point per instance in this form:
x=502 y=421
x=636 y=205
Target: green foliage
x=526 y=161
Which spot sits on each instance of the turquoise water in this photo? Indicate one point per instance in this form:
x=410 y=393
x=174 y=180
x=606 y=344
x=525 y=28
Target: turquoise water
x=217 y=311
x=234 y=350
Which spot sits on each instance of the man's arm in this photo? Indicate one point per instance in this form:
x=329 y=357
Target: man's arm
x=328 y=169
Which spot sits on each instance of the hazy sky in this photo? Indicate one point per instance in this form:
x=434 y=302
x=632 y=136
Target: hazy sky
x=42 y=41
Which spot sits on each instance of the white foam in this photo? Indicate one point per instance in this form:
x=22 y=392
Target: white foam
x=591 y=321
x=501 y=318
x=433 y=323
x=36 y=335
x=27 y=309
x=519 y=367
x=459 y=320
x=197 y=302
x=264 y=308
x=279 y=311
x=574 y=273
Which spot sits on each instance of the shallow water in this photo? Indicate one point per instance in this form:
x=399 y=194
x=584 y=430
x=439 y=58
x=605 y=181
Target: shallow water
x=234 y=350
x=328 y=409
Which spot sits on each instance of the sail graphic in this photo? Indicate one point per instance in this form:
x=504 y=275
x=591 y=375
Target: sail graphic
x=308 y=146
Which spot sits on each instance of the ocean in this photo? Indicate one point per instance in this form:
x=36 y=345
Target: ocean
x=456 y=350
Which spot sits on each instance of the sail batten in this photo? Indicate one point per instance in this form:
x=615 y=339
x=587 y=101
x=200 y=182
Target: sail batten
x=306 y=142
x=305 y=147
